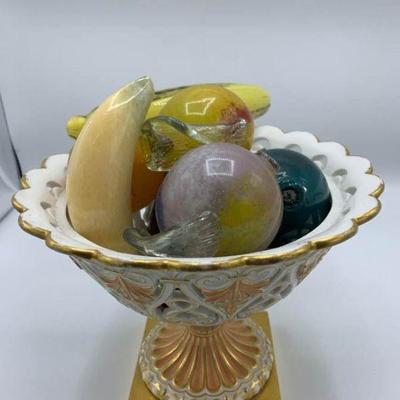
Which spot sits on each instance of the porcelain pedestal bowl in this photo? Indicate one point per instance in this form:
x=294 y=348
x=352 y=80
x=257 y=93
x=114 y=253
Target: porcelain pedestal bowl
x=206 y=346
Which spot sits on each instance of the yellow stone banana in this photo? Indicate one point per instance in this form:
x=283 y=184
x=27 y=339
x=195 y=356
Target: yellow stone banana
x=100 y=166
x=255 y=97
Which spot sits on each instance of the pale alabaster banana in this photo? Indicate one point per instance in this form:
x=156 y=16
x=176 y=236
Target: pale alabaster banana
x=100 y=166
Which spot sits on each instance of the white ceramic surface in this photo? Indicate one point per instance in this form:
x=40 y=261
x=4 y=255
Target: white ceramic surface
x=208 y=291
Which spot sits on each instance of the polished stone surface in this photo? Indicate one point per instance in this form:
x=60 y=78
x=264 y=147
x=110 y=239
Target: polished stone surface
x=99 y=177
x=208 y=105
x=238 y=186
x=196 y=115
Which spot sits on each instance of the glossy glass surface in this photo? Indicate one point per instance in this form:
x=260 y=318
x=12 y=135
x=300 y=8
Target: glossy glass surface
x=197 y=238
x=166 y=139
x=209 y=104
x=306 y=196
x=207 y=113
x=235 y=184
x=256 y=98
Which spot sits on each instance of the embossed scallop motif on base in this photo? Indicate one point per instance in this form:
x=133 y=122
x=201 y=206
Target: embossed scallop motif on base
x=188 y=362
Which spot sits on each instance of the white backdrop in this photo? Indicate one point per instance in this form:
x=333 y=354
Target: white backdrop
x=331 y=67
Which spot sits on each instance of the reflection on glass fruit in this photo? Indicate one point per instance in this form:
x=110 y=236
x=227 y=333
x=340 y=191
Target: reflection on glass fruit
x=196 y=115
x=165 y=139
x=306 y=195
x=210 y=105
x=236 y=185
x=255 y=97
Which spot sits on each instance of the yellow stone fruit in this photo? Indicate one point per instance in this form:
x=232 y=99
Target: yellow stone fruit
x=99 y=174
x=210 y=105
x=255 y=97
x=197 y=115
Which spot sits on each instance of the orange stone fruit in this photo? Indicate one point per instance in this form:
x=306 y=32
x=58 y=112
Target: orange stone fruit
x=145 y=183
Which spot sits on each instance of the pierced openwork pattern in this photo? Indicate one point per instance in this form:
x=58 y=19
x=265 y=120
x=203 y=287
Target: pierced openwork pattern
x=206 y=292
x=355 y=193
x=201 y=298
x=52 y=191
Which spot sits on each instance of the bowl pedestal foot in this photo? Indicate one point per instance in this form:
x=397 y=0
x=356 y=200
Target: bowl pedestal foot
x=230 y=361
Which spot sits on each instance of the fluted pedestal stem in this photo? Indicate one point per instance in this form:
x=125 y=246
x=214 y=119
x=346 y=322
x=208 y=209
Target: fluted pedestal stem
x=230 y=361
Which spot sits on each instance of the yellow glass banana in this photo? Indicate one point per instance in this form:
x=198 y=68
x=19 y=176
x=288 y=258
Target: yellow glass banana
x=100 y=166
x=255 y=97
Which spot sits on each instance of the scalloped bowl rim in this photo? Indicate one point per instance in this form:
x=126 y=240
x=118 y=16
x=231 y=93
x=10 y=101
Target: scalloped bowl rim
x=366 y=205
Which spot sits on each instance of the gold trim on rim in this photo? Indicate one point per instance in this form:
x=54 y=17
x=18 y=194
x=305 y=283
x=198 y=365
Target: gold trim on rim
x=233 y=262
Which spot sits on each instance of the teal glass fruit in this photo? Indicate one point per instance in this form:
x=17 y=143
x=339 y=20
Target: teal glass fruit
x=305 y=192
